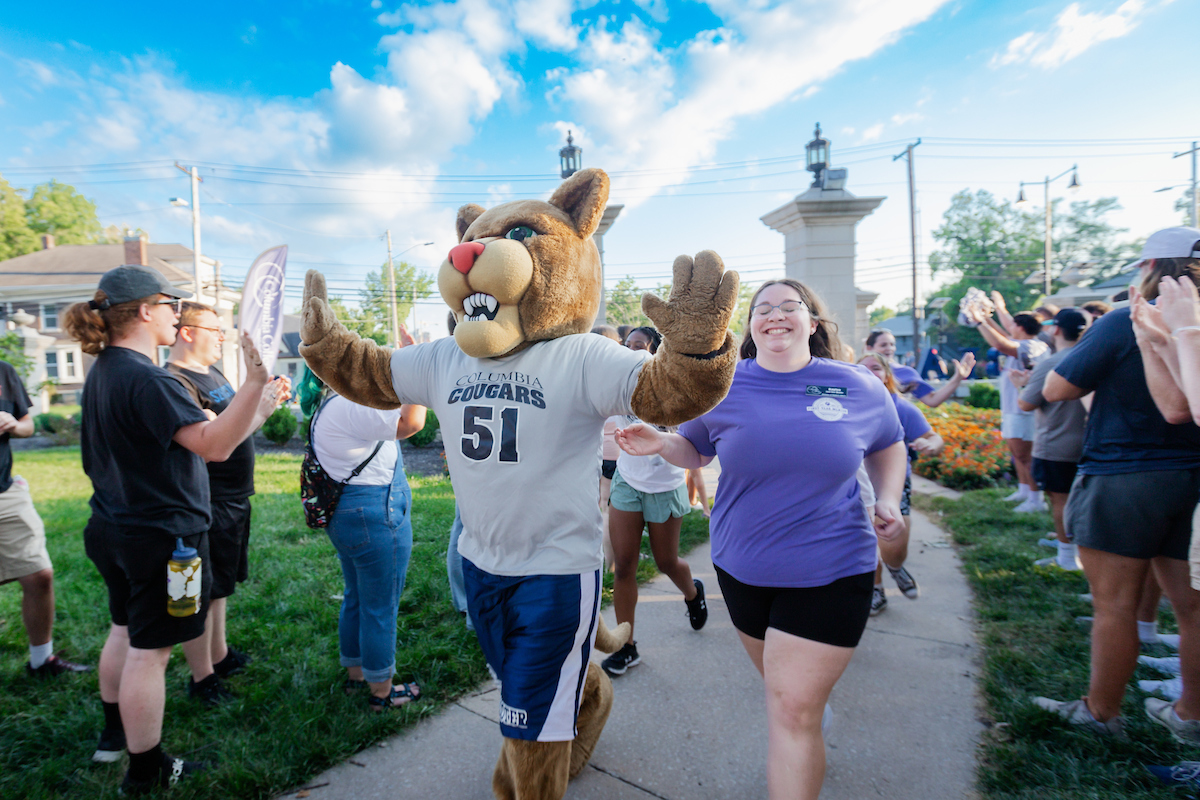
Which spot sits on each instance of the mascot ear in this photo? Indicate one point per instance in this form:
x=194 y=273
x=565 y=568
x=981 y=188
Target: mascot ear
x=466 y=215
x=583 y=197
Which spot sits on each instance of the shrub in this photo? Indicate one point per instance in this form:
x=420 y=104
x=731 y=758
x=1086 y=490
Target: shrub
x=426 y=434
x=280 y=426
x=975 y=454
x=983 y=395
x=63 y=430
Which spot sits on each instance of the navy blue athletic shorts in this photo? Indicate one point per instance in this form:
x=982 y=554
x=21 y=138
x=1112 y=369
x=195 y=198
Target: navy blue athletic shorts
x=537 y=633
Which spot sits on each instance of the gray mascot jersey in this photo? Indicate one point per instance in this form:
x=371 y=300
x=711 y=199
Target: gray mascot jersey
x=522 y=435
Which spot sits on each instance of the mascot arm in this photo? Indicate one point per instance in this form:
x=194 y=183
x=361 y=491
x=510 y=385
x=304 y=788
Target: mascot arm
x=694 y=367
x=356 y=368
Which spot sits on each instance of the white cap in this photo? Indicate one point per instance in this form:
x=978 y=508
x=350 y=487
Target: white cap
x=1172 y=243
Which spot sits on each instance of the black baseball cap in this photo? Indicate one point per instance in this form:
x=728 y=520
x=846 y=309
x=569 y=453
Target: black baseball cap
x=133 y=282
x=1071 y=321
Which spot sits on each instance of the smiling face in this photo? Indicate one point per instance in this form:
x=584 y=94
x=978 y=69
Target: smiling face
x=206 y=336
x=885 y=345
x=780 y=330
x=638 y=340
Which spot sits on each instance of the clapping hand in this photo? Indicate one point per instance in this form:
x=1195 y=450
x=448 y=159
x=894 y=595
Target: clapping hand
x=967 y=366
x=1148 y=325
x=274 y=393
x=1178 y=303
x=1019 y=377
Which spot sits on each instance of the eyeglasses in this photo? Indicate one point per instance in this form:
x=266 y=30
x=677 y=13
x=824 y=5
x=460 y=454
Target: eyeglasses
x=787 y=307
x=175 y=303
x=219 y=331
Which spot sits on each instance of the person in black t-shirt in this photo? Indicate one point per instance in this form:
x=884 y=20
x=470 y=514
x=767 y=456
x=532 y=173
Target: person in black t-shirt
x=230 y=484
x=23 y=556
x=144 y=443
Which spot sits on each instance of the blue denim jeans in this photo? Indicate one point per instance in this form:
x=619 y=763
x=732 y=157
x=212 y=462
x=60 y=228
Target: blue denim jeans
x=454 y=567
x=372 y=533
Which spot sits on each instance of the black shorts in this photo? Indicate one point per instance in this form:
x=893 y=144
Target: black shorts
x=608 y=468
x=834 y=614
x=1054 y=476
x=1137 y=514
x=133 y=563
x=229 y=543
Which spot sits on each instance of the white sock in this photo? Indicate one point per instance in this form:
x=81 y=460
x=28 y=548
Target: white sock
x=1148 y=632
x=1023 y=491
x=38 y=653
x=1035 y=495
x=1066 y=555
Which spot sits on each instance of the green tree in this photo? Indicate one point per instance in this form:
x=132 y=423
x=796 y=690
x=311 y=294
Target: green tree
x=374 y=311
x=12 y=351
x=16 y=237
x=624 y=306
x=878 y=315
x=58 y=209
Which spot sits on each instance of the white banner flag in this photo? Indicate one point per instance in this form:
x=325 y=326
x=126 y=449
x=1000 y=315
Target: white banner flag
x=261 y=312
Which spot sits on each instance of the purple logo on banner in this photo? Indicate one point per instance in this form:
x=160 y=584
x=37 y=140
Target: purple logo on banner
x=261 y=312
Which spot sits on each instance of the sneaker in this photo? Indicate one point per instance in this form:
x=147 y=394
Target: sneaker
x=697 y=610
x=209 y=691
x=1048 y=541
x=1087 y=598
x=1186 y=731
x=1017 y=495
x=1031 y=507
x=1185 y=773
x=1171 y=688
x=172 y=772
x=1076 y=712
x=905 y=582
x=878 y=601
x=112 y=744
x=233 y=663
x=1167 y=666
x=623 y=659
x=55 y=666
x=1052 y=561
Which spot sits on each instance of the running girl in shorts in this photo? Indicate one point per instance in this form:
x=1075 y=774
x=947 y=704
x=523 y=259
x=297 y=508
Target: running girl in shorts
x=793 y=550
x=647 y=492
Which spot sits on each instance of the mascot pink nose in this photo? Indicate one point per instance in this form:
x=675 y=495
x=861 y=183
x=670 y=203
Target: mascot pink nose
x=463 y=256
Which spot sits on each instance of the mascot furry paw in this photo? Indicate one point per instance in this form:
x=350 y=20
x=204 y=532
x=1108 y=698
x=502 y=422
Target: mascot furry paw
x=522 y=391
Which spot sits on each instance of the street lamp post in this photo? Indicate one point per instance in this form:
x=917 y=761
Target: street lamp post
x=395 y=323
x=1021 y=200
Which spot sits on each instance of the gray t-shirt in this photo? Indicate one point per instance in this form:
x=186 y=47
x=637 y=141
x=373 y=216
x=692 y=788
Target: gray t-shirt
x=522 y=436
x=1060 y=426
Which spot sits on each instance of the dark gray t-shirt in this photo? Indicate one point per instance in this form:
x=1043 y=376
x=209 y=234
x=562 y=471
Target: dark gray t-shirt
x=1060 y=426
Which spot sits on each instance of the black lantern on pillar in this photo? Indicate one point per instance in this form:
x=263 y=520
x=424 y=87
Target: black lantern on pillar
x=569 y=157
x=818 y=155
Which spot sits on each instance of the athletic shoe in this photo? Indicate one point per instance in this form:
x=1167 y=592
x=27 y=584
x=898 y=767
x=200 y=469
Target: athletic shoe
x=1052 y=561
x=54 y=666
x=1185 y=773
x=1050 y=542
x=1017 y=495
x=209 y=691
x=1167 y=666
x=1031 y=506
x=1186 y=731
x=623 y=659
x=826 y=720
x=233 y=663
x=112 y=744
x=1076 y=712
x=1087 y=598
x=878 y=601
x=905 y=582
x=697 y=610
x=1172 y=688
x=173 y=771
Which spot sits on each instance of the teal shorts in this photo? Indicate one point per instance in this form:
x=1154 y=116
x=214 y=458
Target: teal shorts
x=653 y=506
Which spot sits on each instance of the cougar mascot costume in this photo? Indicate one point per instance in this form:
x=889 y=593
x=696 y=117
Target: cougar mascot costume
x=522 y=391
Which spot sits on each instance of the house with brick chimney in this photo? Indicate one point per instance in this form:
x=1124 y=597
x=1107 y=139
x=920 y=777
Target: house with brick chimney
x=43 y=283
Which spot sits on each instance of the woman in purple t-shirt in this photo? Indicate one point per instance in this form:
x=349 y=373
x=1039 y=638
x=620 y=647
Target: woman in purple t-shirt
x=794 y=552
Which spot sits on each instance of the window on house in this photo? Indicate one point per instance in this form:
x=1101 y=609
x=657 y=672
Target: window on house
x=69 y=359
x=52 y=365
x=291 y=369
x=49 y=317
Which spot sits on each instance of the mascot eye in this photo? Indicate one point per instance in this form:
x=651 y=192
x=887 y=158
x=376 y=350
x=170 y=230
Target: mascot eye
x=520 y=233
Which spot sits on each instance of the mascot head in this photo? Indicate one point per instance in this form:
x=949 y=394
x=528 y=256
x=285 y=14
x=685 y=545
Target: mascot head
x=528 y=270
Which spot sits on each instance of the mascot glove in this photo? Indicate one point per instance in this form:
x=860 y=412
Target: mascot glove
x=317 y=317
x=693 y=320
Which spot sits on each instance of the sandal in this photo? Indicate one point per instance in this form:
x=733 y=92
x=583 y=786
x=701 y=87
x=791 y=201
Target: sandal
x=408 y=692
x=352 y=687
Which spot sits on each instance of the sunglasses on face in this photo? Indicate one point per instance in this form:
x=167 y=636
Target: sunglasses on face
x=174 y=302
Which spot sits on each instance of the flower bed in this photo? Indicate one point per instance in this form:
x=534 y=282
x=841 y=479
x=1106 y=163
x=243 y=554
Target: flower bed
x=975 y=454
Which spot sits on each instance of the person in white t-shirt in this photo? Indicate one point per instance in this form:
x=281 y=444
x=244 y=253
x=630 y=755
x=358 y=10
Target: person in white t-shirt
x=372 y=533
x=647 y=492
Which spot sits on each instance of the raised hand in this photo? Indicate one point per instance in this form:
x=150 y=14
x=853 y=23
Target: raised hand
x=316 y=315
x=639 y=439
x=1148 y=325
x=693 y=320
x=406 y=338
x=966 y=367
x=1179 y=303
x=274 y=393
x=256 y=370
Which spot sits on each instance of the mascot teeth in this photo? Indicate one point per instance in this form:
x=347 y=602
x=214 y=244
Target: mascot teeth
x=480 y=306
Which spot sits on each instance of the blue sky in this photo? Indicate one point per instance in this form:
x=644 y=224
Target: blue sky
x=323 y=123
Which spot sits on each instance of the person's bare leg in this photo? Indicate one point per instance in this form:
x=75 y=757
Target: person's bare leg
x=664 y=546
x=37 y=605
x=112 y=662
x=1117 y=583
x=1058 y=505
x=198 y=653
x=1022 y=453
x=1147 y=610
x=605 y=491
x=754 y=649
x=625 y=531
x=215 y=630
x=1173 y=577
x=143 y=697
x=799 y=675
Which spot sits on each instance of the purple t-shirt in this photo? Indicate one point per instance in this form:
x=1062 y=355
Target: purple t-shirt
x=787 y=511
x=912 y=420
x=909 y=377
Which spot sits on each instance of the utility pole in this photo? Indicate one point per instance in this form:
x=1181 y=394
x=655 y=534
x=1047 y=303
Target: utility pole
x=1048 y=288
x=392 y=290
x=1195 y=198
x=194 y=174
x=917 y=312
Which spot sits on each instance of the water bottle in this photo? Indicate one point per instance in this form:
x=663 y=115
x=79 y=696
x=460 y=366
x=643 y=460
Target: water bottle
x=183 y=581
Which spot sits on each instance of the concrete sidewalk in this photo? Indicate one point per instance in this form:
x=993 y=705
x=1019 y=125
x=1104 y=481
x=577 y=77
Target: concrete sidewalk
x=689 y=723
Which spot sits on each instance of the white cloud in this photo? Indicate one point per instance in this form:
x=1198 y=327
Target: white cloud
x=902 y=119
x=655 y=9
x=39 y=72
x=1074 y=33
x=872 y=133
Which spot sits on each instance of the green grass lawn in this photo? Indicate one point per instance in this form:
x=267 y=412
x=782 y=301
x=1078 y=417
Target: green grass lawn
x=290 y=720
x=1033 y=646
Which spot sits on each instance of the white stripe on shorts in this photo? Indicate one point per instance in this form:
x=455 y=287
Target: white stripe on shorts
x=560 y=721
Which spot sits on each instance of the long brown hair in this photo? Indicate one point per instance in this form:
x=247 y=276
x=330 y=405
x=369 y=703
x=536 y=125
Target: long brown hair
x=96 y=327
x=889 y=377
x=824 y=342
x=1168 y=268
